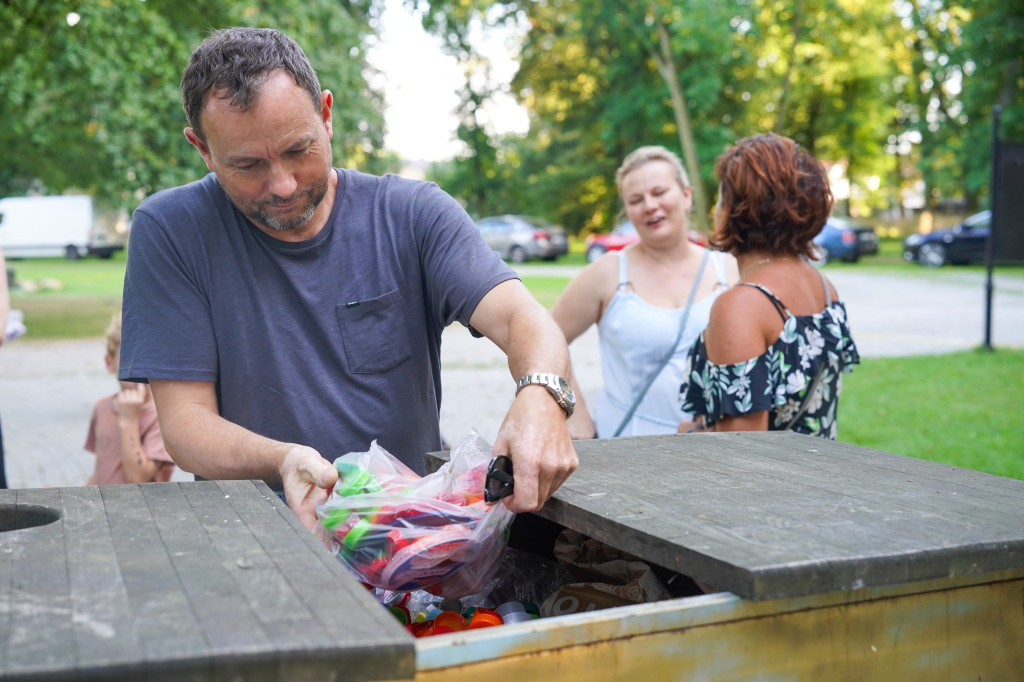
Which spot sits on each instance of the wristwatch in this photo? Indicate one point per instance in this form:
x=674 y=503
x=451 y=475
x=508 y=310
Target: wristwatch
x=556 y=385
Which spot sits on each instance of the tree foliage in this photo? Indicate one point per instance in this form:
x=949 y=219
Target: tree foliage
x=94 y=106
x=891 y=91
x=979 y=65
x=888 y=90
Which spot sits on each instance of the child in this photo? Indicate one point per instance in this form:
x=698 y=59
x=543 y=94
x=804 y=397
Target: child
x=124 y=432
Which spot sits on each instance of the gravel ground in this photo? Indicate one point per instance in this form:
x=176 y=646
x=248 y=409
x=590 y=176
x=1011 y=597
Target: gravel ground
x=47 y=388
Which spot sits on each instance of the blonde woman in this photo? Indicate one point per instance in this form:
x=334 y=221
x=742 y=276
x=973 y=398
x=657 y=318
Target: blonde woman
x=649 y=301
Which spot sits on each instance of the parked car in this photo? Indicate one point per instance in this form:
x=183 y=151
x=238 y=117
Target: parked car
x=963 y=243
x=519 y=238
x=622 y=236
x=845 y=240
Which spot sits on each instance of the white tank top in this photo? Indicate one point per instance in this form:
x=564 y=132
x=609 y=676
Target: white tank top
x=634 y=338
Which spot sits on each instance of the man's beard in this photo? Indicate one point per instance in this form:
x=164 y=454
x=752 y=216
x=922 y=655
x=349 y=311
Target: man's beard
x=315 y=194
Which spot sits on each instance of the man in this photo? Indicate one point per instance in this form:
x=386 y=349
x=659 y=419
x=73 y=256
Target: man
x=284 y=311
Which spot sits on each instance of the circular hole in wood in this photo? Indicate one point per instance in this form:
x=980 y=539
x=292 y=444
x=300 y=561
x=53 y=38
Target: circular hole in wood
x=21 y=516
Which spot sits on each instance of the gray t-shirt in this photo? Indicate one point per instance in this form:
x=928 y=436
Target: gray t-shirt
x=330 y=342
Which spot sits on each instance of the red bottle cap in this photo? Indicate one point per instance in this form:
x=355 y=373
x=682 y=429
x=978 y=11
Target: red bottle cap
x=424 y=629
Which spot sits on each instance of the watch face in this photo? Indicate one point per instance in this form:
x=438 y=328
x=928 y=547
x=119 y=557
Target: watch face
x=556 y=385
x=566 y=390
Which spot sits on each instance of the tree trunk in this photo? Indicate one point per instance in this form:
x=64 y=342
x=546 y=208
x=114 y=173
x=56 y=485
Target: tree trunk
x=668 y=71
x=787 y=81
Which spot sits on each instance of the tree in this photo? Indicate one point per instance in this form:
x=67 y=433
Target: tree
x=90 y=99
x=869 y=85
x=595 y=92
x=967 y=59
x=992 y=63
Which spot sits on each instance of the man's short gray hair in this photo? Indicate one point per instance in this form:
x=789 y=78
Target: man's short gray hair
x=234 y=63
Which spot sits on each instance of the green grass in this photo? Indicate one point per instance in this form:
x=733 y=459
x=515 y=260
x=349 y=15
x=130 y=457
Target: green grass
x=545 y=289
x=964 y=409
x=65 y=299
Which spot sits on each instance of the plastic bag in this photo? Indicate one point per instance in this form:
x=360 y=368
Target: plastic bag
x=398 y=531
x=606 y=577
x=15 y=325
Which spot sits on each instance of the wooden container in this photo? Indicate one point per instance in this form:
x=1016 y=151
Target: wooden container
x=835 y=562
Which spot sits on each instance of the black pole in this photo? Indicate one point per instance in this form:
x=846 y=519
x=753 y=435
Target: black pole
x=997 y=112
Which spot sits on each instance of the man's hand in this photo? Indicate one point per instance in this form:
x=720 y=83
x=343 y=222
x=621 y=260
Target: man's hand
x=535 y=436
x=307 y=479
x=581 y=424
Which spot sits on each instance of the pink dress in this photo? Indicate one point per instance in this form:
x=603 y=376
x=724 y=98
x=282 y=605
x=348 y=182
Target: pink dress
x=104 y=440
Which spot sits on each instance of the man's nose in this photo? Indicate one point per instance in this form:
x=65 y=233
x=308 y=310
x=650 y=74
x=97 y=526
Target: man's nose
x=281 y=182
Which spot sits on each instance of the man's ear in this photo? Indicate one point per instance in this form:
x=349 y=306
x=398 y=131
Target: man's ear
x=204 y=151
x=326 y=102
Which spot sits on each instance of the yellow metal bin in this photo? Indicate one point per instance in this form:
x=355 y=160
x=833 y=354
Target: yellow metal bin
x=833 y=562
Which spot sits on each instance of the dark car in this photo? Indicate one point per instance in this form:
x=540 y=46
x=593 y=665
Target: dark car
x=963 y=243
x=845 y=240
x=622 y=236
x=519 y=238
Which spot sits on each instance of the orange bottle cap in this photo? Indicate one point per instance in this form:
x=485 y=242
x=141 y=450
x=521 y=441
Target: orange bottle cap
x=449 y=621
x=484 y=618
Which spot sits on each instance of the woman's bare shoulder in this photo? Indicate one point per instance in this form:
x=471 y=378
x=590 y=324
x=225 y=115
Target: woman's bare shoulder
x=742 y=321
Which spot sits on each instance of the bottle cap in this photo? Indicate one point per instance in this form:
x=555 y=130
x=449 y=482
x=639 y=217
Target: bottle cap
x=451 y=605
x=355 y=534
x=484 y=618
x=508 y=608
x=449 y=621
x=424 y=629
x=516 y=617
x=401 y=613
x=354 y=480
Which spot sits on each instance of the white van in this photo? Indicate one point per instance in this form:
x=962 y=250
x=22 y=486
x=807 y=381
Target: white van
x=47 y=226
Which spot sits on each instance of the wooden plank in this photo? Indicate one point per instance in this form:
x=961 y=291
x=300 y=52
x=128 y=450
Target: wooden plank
x=40 y=637
x=325 y=599
x=104 y=629
x=374 y=649
x=769 y=515
x=225 y=618
x=162 y=613
x=184 y=581
x=936 y=484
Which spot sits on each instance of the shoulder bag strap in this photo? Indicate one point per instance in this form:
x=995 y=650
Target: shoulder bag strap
x=671 y=352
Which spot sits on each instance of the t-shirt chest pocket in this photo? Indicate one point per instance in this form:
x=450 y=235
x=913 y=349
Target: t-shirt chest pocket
x=374 y=334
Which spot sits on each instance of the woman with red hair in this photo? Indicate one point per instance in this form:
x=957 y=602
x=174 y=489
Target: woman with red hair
x=777 y=344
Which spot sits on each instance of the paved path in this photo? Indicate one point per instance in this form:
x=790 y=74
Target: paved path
x=47 y=388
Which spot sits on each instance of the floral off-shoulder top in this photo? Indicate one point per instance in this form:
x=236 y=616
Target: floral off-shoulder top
x=779 y=379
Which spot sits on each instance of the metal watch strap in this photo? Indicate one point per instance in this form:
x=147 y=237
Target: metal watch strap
x=557 y=386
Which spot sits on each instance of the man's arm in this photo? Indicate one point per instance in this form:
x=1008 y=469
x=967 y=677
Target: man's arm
x=533 y=432
x=202 y=442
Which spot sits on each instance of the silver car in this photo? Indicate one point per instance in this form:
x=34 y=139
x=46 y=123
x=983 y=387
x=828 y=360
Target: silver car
x=519 y=238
